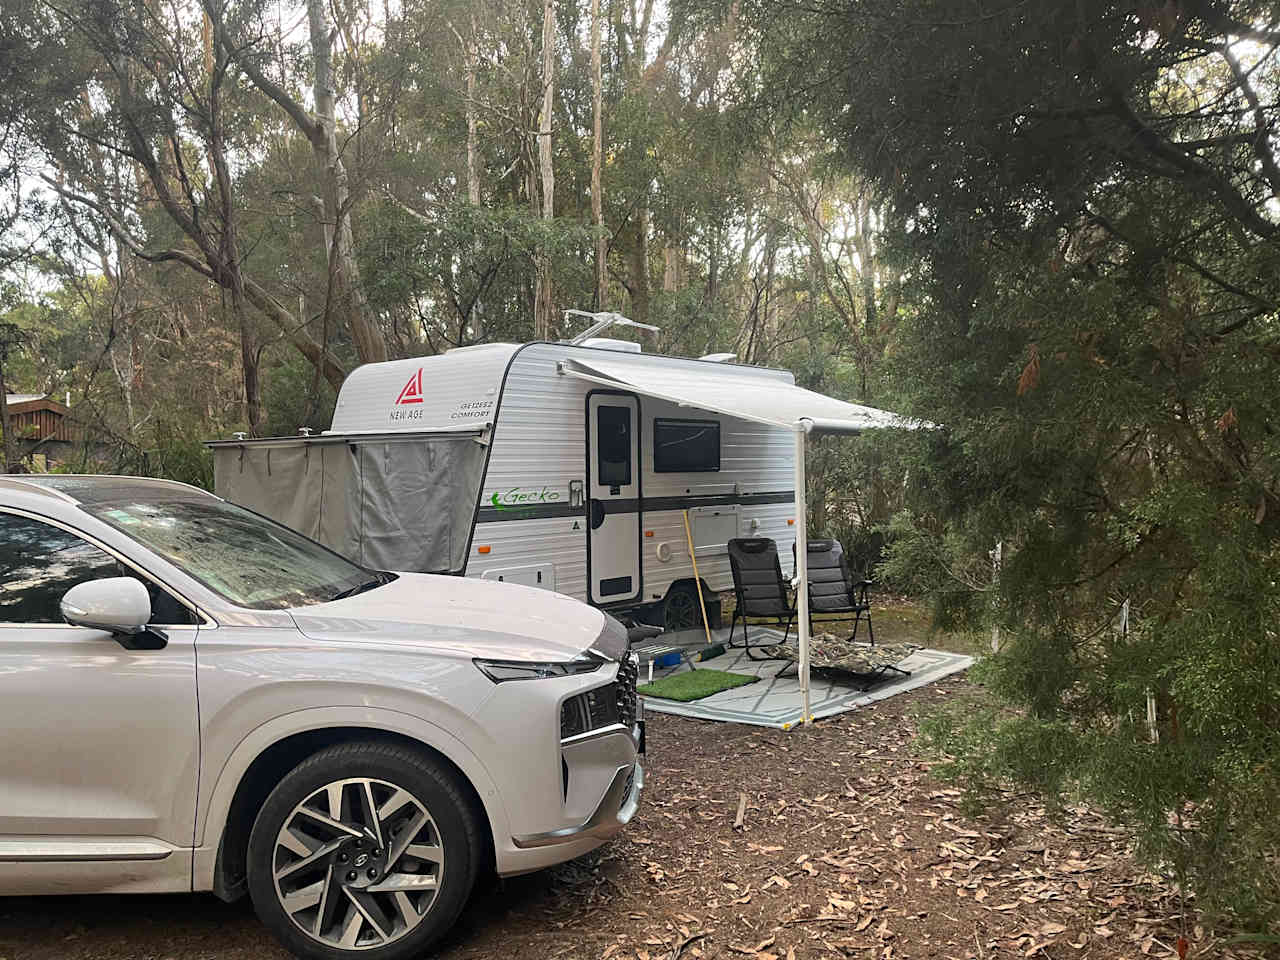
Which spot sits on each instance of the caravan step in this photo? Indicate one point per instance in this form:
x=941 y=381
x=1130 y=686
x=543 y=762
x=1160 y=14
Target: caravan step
x=659 y=654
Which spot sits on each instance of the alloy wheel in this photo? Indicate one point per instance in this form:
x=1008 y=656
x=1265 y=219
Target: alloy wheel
x=358 y=863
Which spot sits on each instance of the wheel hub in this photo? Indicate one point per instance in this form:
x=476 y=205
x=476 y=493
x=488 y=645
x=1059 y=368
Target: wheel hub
x=360 y=862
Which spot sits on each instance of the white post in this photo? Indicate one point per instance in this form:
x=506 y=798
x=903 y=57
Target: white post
x=801 y=580
x=997 y=557
x=1153 y=728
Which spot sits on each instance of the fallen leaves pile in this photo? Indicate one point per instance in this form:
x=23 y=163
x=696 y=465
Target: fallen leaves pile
x=836 y=841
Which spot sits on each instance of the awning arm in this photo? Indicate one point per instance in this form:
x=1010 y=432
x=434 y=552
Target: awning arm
x=822 y=425
x=801 y=582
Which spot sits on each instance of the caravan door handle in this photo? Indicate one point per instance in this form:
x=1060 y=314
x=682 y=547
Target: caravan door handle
x=597 y=514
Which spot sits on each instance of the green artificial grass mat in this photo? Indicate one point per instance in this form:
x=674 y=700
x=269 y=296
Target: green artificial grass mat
x=694 y=685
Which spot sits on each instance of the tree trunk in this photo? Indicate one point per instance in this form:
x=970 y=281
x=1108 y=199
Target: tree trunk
x=672 y=260
x=369 y=342
x=597 y=150
x=543 y=307
x=206 y=37
x=121 y=354
x=472 y=54
x=249 y=368
x=640 y=265
x=10 y=337
x=472 y=58
x=866 y=262
x=713 y=262
x=770 y=311
x=9 y=458
x=229 y=249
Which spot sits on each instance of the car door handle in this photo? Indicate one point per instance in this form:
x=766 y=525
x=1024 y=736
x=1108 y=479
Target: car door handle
x=597 y=514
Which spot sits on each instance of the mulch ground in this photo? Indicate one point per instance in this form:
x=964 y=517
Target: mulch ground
x=829 y=841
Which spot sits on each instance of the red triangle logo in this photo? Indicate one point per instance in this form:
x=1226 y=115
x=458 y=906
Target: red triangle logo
x=412 y=392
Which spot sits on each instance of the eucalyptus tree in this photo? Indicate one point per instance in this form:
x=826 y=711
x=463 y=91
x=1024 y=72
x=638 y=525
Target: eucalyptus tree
x=148 y=124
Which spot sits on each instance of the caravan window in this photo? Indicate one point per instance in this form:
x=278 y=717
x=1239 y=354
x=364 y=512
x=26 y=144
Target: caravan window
x=686 y=446
x=613 y=443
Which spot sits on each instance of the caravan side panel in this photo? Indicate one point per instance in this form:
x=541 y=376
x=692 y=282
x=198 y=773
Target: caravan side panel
x=538 y=448
x=754 y=486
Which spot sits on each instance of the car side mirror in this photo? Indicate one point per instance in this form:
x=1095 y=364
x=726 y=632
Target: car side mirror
x=119 y=605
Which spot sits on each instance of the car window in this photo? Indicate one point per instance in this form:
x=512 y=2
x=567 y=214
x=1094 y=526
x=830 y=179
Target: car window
x=244 y=557
x=40 y=562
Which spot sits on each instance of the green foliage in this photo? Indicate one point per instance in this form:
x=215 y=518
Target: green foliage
x=295 y=396
x=466 y=271
x=1089 y=195
x=179 y=455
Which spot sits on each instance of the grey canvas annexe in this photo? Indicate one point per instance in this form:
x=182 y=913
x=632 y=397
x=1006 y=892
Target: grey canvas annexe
x=390 y=503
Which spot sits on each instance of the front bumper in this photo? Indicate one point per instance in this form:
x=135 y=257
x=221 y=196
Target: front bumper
x=563 y=793
x=617 y=807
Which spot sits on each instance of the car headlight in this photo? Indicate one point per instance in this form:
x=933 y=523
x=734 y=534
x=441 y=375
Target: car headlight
x=500 y=671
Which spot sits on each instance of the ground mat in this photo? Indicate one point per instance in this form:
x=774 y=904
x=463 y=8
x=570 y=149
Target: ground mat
x=776 y=701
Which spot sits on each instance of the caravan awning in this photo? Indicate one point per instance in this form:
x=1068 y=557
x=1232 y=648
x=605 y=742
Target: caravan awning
x=751 y=393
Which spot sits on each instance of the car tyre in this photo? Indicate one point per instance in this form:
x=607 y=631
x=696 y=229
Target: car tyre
x=365 y=849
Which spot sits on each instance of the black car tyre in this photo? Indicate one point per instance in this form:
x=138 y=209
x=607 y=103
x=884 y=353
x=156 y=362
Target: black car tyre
x=365 y=849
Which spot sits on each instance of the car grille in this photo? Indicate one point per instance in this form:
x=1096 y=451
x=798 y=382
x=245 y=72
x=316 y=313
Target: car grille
x=625 y=687
x=604 y=706
x=589 y=711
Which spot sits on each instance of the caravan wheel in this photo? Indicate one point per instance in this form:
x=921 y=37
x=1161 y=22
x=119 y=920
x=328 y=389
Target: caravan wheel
x=681 y=610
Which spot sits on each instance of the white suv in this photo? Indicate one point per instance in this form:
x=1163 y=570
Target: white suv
x=196 y=698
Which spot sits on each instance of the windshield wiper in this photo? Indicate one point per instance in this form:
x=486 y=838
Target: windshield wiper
x=377 y=581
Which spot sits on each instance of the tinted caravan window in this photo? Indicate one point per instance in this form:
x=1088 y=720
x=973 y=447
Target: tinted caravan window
x=686 y=446
x=613 y=438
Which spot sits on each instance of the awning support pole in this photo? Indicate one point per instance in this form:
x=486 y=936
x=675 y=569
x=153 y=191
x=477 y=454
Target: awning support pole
x=801 y=581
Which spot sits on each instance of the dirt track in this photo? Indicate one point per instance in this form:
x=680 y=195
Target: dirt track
x=848 y=848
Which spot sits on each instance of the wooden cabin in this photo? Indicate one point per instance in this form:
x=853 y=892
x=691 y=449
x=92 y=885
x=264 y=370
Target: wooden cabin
x=40 y=424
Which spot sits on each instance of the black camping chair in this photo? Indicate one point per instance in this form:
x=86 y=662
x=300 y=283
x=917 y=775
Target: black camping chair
x=834 y=590
x=758 y=587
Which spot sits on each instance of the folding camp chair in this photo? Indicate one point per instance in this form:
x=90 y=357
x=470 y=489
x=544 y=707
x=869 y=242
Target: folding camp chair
x=758 y=586
x=834 y=590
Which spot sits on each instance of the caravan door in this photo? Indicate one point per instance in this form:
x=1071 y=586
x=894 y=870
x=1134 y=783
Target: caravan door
x=613 y=506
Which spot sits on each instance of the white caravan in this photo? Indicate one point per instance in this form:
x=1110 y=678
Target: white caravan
x=562 y=466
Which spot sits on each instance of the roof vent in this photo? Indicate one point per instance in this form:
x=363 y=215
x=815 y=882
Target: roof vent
x=607 y=343
x=720 y=357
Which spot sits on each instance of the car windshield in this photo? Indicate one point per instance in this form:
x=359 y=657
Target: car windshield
x=246 y=558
